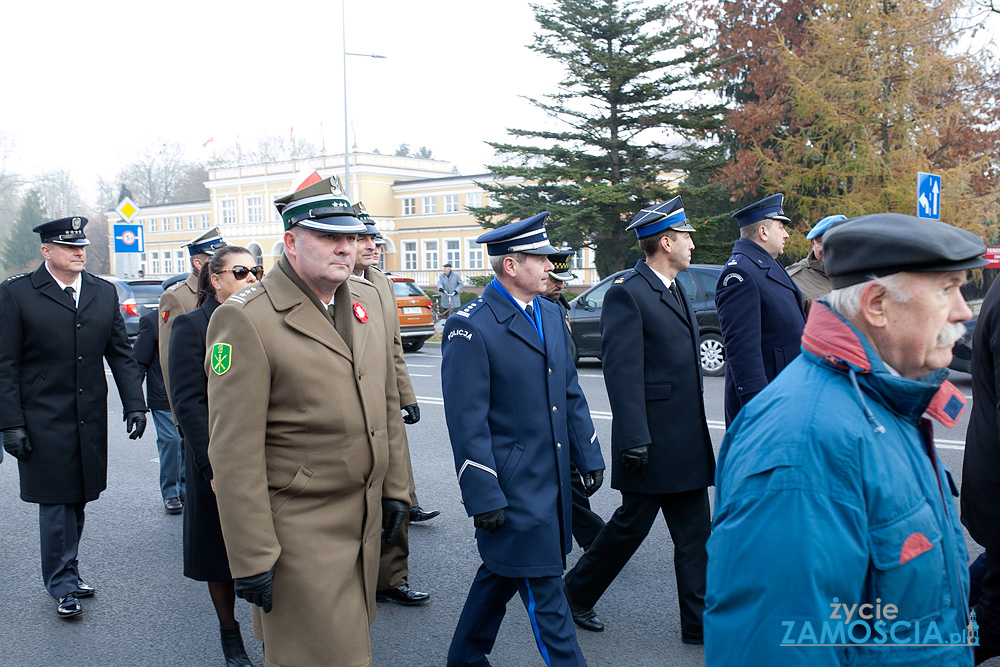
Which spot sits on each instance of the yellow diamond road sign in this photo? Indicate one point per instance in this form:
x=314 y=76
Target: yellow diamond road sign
x=127 y=209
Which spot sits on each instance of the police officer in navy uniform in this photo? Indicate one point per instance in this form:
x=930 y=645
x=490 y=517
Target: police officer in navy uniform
x=57 y=327
x=663 y=457
x=760 y=308
x=516 y=418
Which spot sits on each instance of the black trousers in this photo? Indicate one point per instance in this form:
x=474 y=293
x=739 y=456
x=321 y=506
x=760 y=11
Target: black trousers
x=59 y=530
x=689 y=521
x=586 y=522
x=988 y=609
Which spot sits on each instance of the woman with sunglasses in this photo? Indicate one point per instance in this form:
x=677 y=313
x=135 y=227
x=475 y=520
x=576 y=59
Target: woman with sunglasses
x=228 y=271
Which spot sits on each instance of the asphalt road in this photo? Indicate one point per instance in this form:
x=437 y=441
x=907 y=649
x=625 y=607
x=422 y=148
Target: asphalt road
x=146 y=612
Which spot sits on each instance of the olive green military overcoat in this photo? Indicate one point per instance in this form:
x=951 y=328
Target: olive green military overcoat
x=305 y=440
x=174 y=302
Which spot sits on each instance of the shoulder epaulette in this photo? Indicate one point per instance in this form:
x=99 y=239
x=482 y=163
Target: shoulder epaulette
x=176 y=285
x=467 y=309
x=247 y=294
x=625 y=276
x=13 y=278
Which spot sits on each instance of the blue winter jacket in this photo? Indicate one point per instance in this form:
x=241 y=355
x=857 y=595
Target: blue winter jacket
x=832 y=505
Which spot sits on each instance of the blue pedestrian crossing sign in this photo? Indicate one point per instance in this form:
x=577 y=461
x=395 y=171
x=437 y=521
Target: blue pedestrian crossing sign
x=129 y=238
x=928 y=196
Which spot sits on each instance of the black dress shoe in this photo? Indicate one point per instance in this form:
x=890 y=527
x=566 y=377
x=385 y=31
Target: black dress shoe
x=585 y=618
x=173 y=505
x=83 y=589
x=693 y=638
x=402 y=595
x=232 y=647
x=69 y=606
x=417 y=514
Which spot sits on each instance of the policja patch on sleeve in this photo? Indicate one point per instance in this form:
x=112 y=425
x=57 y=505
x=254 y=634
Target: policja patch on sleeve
x=222 y=357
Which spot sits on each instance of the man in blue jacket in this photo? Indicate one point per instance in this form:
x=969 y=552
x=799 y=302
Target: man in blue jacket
x=836 y=538
x=760 y=308
x=516 y=418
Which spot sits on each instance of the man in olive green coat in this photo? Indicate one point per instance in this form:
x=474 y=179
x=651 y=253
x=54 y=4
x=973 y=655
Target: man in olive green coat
x=306 y=439
x=808 y=273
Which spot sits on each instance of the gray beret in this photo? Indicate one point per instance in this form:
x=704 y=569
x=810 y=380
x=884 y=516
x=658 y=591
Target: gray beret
x=885 y=243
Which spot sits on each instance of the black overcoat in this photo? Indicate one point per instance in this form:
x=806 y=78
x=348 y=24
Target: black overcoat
x=52 y=382
x=981 y=469
x=147 y=354
x=204 y=547
x=649 y=351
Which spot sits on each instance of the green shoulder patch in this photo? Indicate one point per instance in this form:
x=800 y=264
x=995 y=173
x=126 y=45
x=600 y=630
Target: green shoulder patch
x=222 y=357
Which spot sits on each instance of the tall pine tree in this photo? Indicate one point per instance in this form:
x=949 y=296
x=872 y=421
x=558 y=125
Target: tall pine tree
x=20 y=250
x=632 y=104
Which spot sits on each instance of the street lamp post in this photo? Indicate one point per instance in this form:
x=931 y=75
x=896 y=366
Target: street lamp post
x=347 y=139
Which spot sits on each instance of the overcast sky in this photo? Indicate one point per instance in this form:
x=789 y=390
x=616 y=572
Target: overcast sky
x=86 y=84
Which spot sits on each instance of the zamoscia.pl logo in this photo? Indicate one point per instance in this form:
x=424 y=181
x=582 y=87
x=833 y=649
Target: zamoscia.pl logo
x=873 y=625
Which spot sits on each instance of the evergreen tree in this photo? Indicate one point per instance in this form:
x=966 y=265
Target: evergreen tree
x=631 y=103
x=20 y=250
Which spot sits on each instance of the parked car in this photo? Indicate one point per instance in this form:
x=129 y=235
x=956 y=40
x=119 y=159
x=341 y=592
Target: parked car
x=135 y=299
x=699 y=283
x=961 y=354
x=416 y=317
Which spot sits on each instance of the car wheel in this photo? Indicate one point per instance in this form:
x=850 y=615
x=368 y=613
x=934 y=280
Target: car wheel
x=576 y=355
x=413 y=346
x=713 y=360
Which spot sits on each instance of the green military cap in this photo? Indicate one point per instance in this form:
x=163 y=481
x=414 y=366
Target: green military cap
x=322 y=206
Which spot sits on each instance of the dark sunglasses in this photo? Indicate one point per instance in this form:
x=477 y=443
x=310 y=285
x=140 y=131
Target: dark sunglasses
x=241 y=272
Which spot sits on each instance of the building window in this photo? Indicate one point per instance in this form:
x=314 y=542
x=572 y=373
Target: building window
x=278 y=248
x=168 y=263
x=153 y=227
x=258 y=254
x=473 y=199
x=431 y=254
x=576 y=261
x=191 y=222
x=178 y=224
x=228 y=211
x=255 y=210
x=180 y=259
x=453 y=253
x=451 y=203
x=475 y=254
x=430 y=205
x=155 y=260
x=409 y=206
x=410 y=255
x=204 y=220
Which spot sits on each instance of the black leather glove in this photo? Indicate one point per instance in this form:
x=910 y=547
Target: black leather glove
x=636 y=459
x=16 y=443
x=412 y=414
x=135 y=424
x=393 y=513
x=490 y=521
x=592 y=481
x=256 y=589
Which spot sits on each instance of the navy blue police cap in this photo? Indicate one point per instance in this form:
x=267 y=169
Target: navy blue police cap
x=64 y=231
x=768 y=208
x=656 y=218
x=527 y=236
x=206 y=244
x=886 y=243
x=560 y=266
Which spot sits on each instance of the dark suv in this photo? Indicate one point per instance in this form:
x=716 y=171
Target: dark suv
x=699 y=283
x=135 y=299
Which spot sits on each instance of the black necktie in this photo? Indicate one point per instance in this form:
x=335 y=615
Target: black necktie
x=70 y=292
x=531 y=313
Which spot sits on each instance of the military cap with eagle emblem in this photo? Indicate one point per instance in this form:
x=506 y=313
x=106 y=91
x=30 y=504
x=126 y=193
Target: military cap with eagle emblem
x=206 y=243
x=527 y=236
x=656 y=218
x=64 y=231
x=322 y=207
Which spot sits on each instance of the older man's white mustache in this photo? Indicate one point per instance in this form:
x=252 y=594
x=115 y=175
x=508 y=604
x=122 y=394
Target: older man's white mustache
x=950 y=334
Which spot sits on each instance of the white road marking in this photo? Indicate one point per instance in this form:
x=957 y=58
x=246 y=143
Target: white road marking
x=409 y=365
x=418 y=375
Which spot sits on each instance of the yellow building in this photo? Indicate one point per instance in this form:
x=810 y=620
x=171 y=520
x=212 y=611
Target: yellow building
x=419 y=205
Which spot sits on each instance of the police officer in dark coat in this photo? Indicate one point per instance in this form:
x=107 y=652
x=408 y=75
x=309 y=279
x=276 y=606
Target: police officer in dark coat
x=663 y=458
x=586 y=522
x=760 y=308
x=981 y=469
x=57 y=326
x=516 y=417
